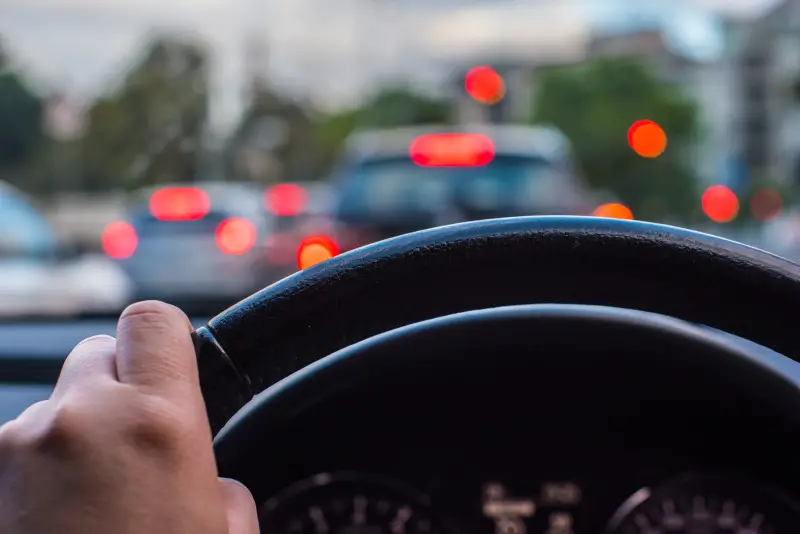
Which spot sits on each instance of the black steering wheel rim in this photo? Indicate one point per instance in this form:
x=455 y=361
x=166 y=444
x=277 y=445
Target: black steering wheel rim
x=528 y=260
x=600 y=348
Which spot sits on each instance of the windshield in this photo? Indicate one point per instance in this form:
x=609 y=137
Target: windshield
x=189 y=150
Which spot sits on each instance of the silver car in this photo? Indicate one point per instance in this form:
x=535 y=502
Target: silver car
x=41 y=276
x=193 y=245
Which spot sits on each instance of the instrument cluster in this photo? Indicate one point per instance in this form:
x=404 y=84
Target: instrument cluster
x=357 y=503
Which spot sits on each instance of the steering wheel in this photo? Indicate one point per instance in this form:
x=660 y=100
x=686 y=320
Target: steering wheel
x=522 y=282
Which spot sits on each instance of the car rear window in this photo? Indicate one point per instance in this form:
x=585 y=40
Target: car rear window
x=397 y=187
x=147 y=226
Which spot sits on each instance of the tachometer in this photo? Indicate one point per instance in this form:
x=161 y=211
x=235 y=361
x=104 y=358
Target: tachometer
x=706 y=505
x=347 y=503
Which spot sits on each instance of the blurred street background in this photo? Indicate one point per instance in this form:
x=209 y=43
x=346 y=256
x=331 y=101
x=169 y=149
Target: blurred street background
x=199 y=150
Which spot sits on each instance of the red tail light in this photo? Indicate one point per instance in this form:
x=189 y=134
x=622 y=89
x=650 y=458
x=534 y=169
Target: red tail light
x=179 y=204
x=452 y=150
x=286 y=200
x=235 y=236
x=316 y=249
x=119 y=240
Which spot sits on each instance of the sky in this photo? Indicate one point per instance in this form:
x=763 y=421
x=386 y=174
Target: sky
x=328 y=50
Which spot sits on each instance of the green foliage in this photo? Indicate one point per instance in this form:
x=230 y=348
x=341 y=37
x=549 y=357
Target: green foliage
x=290 y=153
x=20 y=120
x=400 y=107
x=595 y=104
x=389 y=108
x=150 y=129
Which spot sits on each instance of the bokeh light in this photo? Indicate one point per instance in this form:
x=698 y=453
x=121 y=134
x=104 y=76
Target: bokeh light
x=613 y=211
x=315 y=249
x=485 y=85
x=119 y=240
x=647 y=139
x=766 y=204
x=720 y=204
x=452 y=150
x=236 y=236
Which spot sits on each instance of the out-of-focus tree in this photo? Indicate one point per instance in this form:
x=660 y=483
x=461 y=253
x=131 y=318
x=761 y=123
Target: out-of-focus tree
x=20 y=121
x=400 y=107
x=389 y=108
x=151 y=128
x=273 y=141
x=595 y=104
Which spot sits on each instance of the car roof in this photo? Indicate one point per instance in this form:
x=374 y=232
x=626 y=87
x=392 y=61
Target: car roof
x=518 y=140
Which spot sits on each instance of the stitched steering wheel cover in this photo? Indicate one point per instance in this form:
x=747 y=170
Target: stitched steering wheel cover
x=502 y=262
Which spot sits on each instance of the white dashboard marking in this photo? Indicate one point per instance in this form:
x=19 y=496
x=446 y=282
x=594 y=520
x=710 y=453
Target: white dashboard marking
x=359 y=510
x=316 y=515
x=727 y=519
x=398 y=525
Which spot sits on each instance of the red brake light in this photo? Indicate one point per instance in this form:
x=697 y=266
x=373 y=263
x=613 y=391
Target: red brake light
x=286 y=200
x=235 y=236
x=179 y=204
x=316 y=249
x=119 y=240
x=452 y=150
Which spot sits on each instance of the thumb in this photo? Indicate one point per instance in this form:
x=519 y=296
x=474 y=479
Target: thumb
x=239 y=507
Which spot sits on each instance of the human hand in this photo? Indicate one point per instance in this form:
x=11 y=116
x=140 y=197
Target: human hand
x=123 y=445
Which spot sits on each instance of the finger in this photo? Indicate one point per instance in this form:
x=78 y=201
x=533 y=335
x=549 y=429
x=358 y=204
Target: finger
x=240 y=507
x=154 y=349
x=32 y=411
x=92 y=360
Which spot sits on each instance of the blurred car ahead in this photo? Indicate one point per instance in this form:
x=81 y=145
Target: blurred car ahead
x=301 y=211
x=398 y=181
x=41 y=276
x=198 y=247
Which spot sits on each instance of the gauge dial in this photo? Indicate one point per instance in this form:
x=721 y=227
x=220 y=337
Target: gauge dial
x=706 y=505
x=347 y=504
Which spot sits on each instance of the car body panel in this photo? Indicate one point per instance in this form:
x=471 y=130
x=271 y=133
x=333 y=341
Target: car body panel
x=35 y=281
x=181 y=260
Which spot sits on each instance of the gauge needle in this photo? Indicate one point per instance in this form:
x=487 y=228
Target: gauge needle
x=316 y=515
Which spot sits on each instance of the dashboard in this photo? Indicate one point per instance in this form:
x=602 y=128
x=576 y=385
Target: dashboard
x=492 y=447
x=695 y=503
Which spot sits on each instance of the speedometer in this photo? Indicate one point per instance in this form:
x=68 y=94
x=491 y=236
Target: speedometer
x=706 y=505
x=347 y=503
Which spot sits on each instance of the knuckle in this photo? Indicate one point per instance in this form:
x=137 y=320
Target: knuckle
x=155 y=423
x=17 y=433
x=69 y=426
x=11 y=436
x=101 y=340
